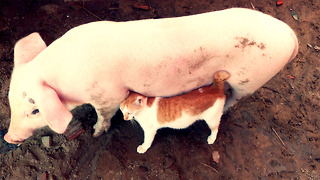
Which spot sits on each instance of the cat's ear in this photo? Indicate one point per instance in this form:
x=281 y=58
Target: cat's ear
x=140 y=101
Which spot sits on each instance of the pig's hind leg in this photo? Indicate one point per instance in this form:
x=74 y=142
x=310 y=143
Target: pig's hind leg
x=233 y=99
x=235 y=94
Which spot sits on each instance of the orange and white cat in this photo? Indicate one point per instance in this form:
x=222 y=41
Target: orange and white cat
x=178 y=112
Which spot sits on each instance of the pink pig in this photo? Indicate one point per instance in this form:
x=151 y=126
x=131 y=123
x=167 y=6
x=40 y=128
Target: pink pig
x=99 y=62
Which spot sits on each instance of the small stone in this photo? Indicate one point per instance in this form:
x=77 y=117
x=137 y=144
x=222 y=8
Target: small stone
x=43 y=176
x=141 y=7
x=50 y=9
x=46 y=141
x=294 y=15
x=317 y=48
x=168 y=162
x=215 y=156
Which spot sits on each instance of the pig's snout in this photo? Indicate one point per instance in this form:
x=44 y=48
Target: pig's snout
x=11 y=140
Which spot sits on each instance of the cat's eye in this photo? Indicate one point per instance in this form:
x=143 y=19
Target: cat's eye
x=138 y=102
x=34 y=112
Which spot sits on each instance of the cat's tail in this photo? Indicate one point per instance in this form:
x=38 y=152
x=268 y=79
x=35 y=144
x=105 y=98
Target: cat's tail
x=221 y=76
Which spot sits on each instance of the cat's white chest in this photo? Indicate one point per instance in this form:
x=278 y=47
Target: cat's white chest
x=147 y=118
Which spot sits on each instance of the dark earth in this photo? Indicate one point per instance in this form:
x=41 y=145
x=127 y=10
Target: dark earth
x=272 y=134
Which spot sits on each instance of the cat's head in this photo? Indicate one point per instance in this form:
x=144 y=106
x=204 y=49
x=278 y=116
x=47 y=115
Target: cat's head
x=132 y=105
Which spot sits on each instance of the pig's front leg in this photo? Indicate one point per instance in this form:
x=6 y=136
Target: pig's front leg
x=104 y=116
x=106 y=103
x=233 y=100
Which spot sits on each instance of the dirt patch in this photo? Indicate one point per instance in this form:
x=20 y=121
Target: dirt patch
x=244 y=42
x=272 y=134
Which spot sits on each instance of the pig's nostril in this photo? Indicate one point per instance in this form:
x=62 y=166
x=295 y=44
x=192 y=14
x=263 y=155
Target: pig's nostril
x=35 y=111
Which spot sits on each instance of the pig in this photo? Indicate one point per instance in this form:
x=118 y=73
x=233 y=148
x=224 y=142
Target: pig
x=100 y=62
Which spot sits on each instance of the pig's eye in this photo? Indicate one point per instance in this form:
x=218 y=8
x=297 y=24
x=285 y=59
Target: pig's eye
x=35 y=111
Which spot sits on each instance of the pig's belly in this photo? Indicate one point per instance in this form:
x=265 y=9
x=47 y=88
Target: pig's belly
x=175 y=81
x=182 y=76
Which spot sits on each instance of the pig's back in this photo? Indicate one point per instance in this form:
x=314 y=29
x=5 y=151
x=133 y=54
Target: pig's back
x=165 y=57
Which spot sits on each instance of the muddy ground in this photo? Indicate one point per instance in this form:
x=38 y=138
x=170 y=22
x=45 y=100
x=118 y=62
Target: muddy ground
x=272 y=134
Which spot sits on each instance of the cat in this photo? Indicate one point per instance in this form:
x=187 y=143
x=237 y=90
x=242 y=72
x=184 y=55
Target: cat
x=153 y=113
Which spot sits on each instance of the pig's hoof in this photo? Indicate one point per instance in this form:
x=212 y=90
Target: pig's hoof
x=141 y=149
x=107 y=129
x=97 y=133
x=99 y=129
x=211 y=139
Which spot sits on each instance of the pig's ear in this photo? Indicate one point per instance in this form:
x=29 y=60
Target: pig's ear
x=55 y=113
x=27 y=48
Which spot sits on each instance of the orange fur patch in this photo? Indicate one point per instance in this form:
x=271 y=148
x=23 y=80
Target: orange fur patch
x=193 y=103
x=150 y=101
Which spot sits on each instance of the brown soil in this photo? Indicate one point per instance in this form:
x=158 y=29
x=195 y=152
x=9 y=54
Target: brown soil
x=272 y=134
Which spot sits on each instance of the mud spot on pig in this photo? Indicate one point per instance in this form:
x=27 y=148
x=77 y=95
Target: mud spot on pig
x=242 y=71
x=262 y=46
x=243 y=82
x=24 y=94
x=98 y=99
x=200 y=59
x=98 y=95
x=31 y=101
x=245 y=42
x=93 y=86
x=106 y=108
x=146 y=85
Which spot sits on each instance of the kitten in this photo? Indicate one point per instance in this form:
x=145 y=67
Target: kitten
x=180 y=111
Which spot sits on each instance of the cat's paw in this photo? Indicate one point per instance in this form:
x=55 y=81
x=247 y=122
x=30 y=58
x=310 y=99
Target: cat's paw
x=211 y=139
x=142 y=149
